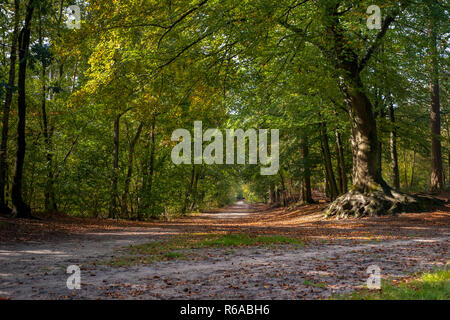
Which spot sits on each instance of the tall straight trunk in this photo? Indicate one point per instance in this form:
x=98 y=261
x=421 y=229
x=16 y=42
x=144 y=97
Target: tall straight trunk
x=354 y=146
x=413 y=165
x=130 y=170
x=327 y=162
x=194 y=192
x=270 y=195
x=342 y=176
x=306 y=180
x=188 y=193
x=395 y=175
x=406 y=169
x=20 y=208
x=148 y=174
x=113 y=207
x=436 y=178
x=8 y=99
x=49 y=202
x=283 y=189
x=379 y=116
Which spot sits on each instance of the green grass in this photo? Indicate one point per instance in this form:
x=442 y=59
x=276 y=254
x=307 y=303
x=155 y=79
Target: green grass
x=238 y=240
x=314 y=284
x=175 y=247
x=428 y=286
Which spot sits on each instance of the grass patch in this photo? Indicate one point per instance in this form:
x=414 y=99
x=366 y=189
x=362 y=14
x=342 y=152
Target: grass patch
x=172 y=249
x=428 y=286
x=309 y=283
x=239 y=240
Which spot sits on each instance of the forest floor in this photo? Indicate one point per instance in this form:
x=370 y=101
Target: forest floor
x=332 y=257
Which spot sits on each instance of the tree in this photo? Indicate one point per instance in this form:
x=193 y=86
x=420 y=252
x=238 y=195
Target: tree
x=20 y=208
x=436 y=178
x=8 y=99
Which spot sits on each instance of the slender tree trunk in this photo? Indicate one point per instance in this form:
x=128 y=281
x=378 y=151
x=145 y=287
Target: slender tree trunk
x=195 y=192
x=283 y=189
x=130 y=170
x=379 y=116
x=49 y=196
x=148 y=175
x=306 y=180
x=20 y=208
x=395 y=175
x=413 y=164
x=188 y=193
x=113 y=207
x=341 y=164
x=436 y=179
x=5 y=121
x=327 y=162
x=406 y=169
x=354 y=145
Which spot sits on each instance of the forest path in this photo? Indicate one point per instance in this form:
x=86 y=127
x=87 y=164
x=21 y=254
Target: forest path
x=327 y=264
x=238 y=210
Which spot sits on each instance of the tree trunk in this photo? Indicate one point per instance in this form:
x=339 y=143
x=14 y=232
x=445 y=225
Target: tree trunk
x=306 y=180
x=370 y=194
x=379 y=116
x=188 y=193
x=341 y=164
x=130 y=170
x=5 y=121
x=49 y=202
x=194 y=192
x=395 y=174
x=148 y=175
x=283 y=189
x=113 y=207
x=436 y=178
x=413 y=164
x=331 y=180
x=20 y=208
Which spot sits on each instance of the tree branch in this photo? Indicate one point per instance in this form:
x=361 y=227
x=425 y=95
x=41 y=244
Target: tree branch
x=387 y=22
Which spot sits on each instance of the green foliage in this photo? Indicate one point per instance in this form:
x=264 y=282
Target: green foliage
x=230 y=64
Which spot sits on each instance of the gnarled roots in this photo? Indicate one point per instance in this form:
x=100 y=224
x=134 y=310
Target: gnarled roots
x=377 y=203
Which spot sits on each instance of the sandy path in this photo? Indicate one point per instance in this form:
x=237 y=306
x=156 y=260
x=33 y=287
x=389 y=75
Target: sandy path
x=38 y=270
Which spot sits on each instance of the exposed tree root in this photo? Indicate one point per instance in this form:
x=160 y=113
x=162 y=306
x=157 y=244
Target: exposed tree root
x=378 y=203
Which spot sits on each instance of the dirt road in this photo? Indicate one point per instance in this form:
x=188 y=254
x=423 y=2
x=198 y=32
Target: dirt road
x=37 y=270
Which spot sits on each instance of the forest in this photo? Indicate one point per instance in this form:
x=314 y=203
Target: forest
x=346 y=101
x=88 y=112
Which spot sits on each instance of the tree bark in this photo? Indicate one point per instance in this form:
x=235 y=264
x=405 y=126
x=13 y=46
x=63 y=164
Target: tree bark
x=130 y=170
x=148 y=173
x=20 y=208
x=413 y=165
x=49 y=196
x=381 y=115
x=188 y=192
x=283 y=189
x=306 y=179
x=395 y=174
x=5 y=121
x=113 y=207
x=341 y=164
x=436 y=178
x=331 y=180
